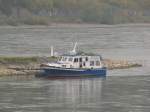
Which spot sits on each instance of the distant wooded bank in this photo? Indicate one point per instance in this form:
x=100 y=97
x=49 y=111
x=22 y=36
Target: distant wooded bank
x=45 y=12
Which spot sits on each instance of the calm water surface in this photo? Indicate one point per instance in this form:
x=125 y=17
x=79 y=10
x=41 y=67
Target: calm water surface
x=121 y=91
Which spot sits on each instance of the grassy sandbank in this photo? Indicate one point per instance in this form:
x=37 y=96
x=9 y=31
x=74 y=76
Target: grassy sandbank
x=31 y=65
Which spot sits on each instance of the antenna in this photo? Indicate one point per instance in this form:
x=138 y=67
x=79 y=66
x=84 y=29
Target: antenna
x=52 y=51
x=73 y=52
x=75 y=46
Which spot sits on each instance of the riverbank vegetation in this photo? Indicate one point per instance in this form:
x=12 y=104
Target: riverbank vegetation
x=25 y=60
x=45 y=12
x=10 y=66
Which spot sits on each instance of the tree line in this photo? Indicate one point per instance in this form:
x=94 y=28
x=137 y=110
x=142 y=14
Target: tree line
x=90 y=11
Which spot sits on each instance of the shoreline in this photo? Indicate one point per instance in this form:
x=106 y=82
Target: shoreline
x=12 y=66
x=75 y=25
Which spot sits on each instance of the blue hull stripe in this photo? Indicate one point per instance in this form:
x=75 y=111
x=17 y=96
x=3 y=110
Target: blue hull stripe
x=64 y=72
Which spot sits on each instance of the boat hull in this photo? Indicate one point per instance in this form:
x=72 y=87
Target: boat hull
x=67 y=72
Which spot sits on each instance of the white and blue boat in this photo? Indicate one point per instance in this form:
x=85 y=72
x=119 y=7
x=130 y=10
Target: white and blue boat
x=74 y=65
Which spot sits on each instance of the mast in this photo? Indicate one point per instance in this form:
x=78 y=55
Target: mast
x=74 y=49
x=52 y=51
x=73 y=52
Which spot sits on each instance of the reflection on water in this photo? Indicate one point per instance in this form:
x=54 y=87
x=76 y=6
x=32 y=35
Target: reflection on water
x=76 y=94
x=57 y=95
x=113 y=94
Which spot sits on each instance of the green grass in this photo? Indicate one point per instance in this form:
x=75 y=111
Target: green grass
x=18 y=59
x=24 y=60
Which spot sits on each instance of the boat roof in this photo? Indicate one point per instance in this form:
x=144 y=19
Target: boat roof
x=81 y=54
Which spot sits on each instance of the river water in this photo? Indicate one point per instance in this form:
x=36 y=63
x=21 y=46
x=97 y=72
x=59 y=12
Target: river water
x=125 y=90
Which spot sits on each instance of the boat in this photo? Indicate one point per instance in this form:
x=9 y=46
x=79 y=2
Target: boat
x=74 y=64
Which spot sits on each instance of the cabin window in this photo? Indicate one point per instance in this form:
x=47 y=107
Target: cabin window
x=91 y=63
x=80 y=59
x=70 y=59
x=75 y=59
x=86 y=59
x=101 y=58
x=64 y=59
x=83 y=63
x=97 y=63
x=59 y=59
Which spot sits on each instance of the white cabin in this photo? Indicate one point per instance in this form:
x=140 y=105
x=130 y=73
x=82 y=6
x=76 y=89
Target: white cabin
x=78 y=61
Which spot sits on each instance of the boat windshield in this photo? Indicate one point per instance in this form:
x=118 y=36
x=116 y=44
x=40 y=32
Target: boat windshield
x=64 y=58
x=60 y=58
